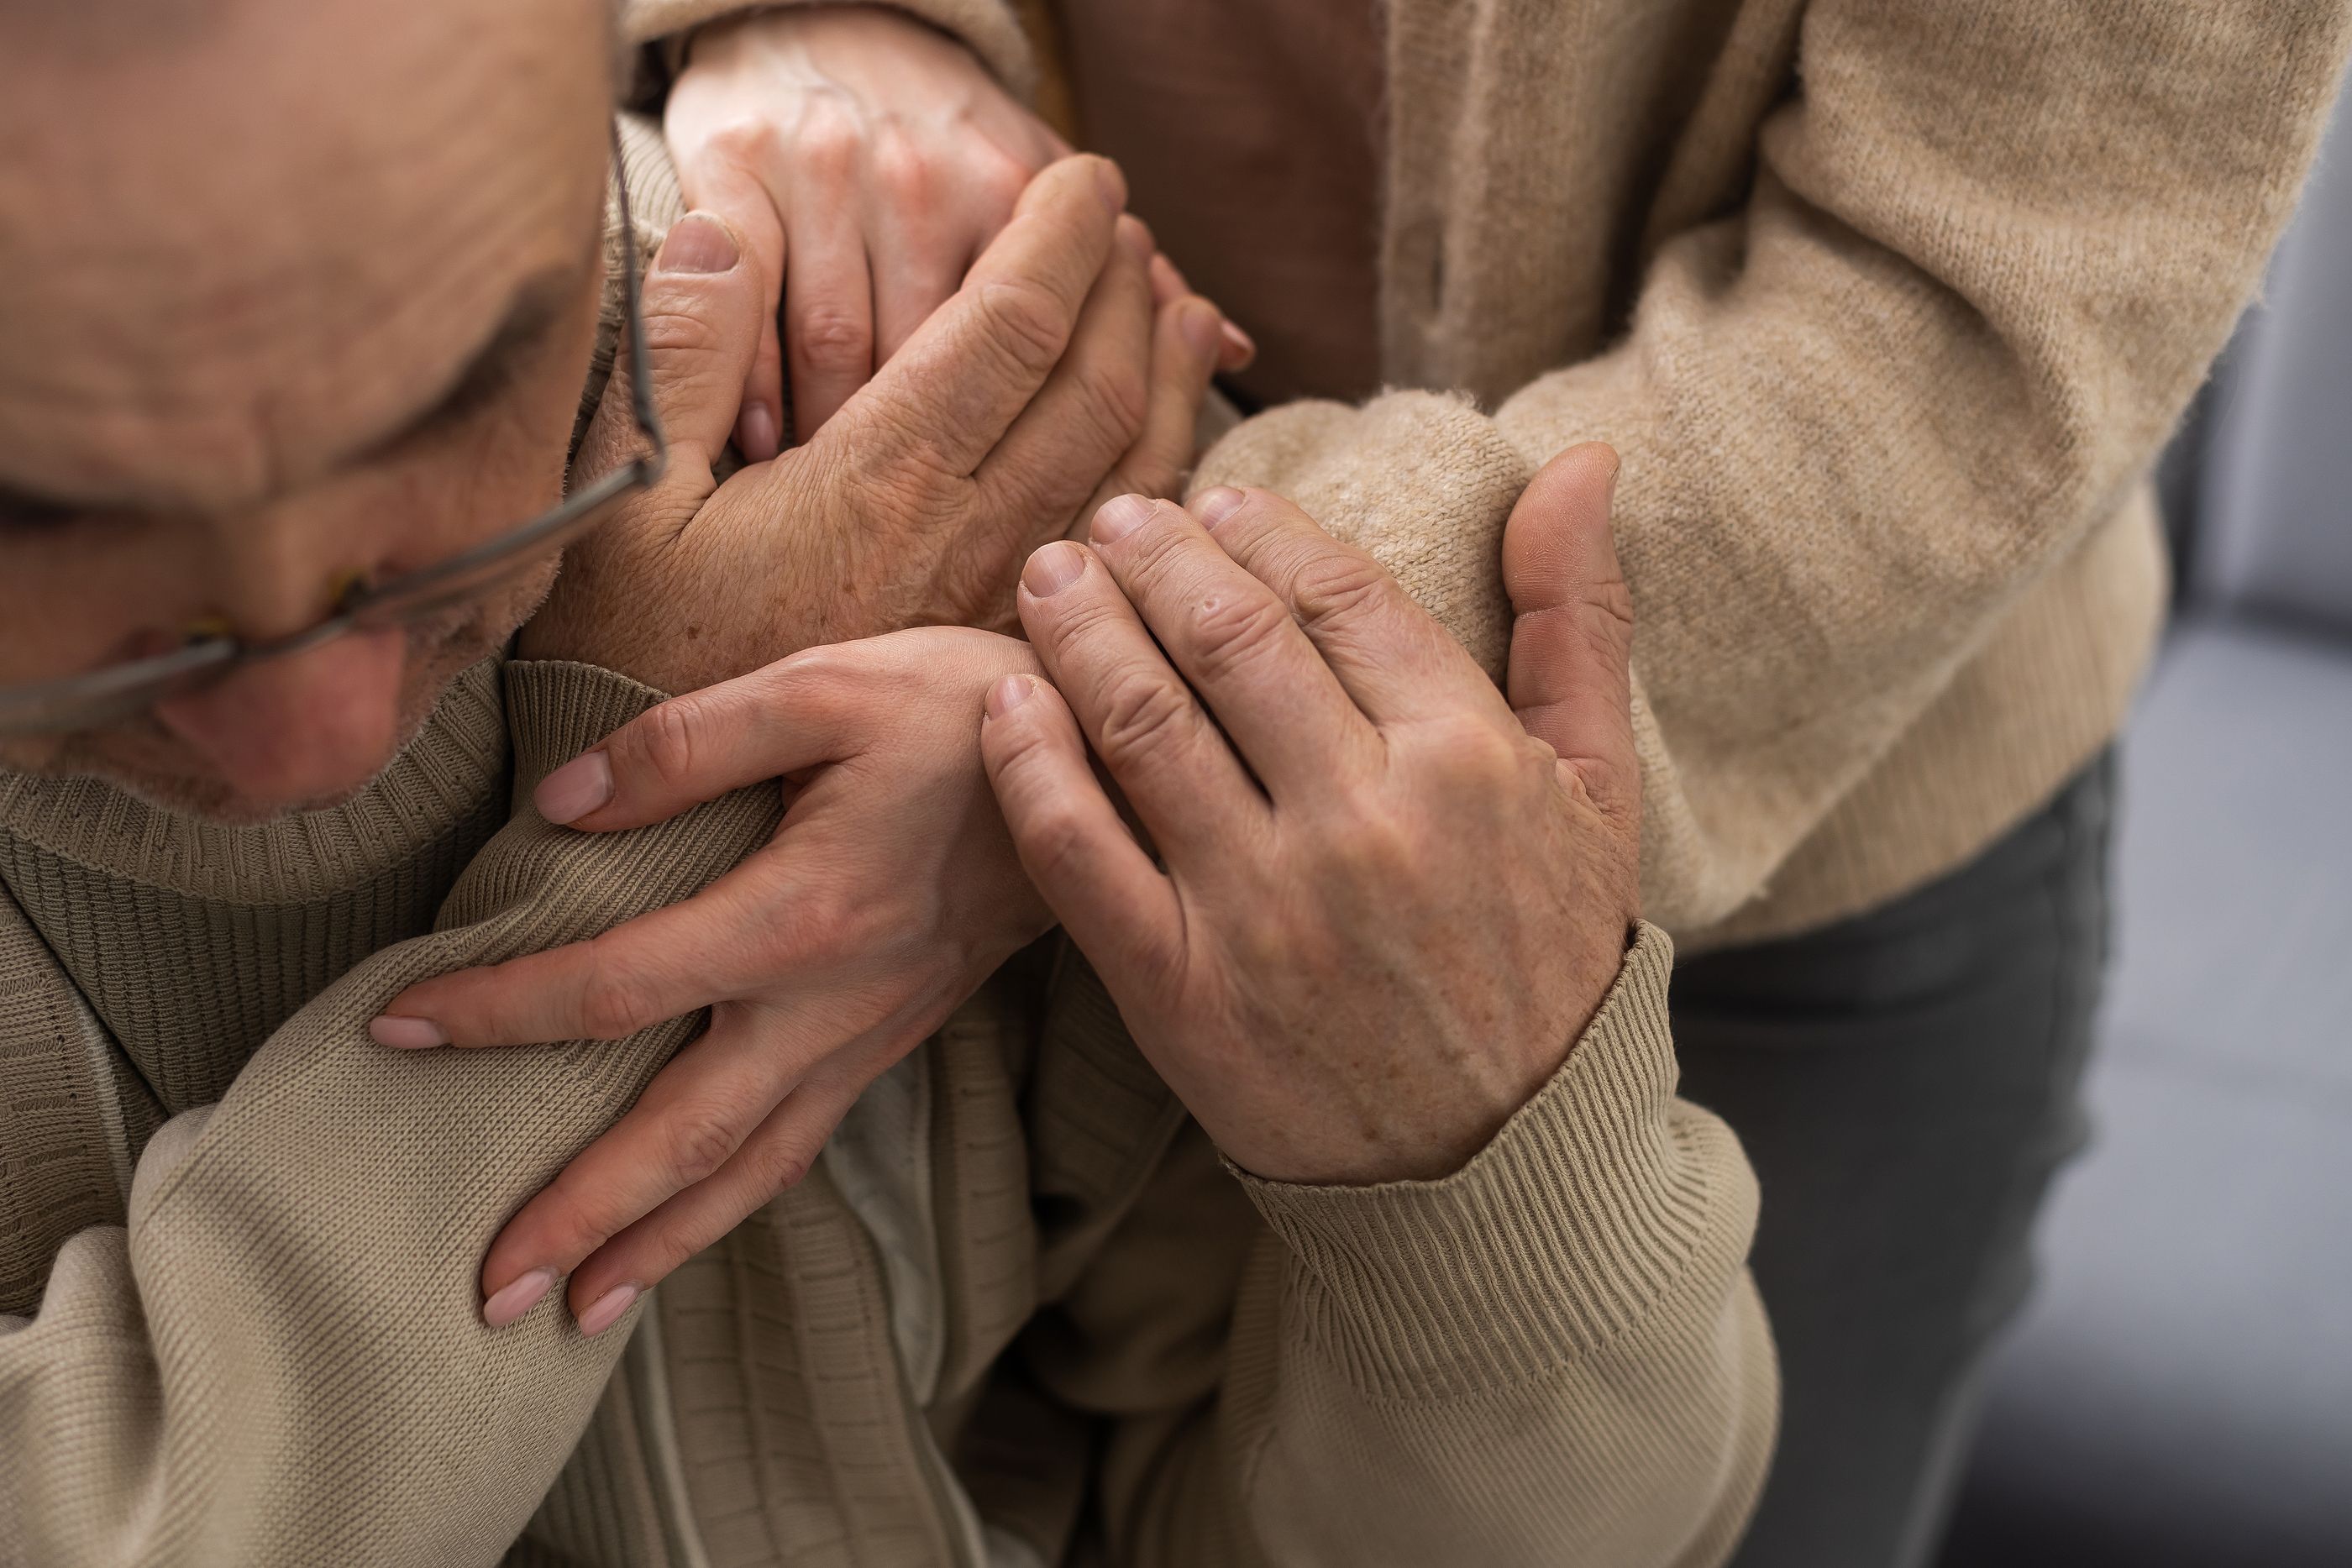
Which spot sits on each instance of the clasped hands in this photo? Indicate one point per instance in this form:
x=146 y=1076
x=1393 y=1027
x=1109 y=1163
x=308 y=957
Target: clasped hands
x=1382 y=904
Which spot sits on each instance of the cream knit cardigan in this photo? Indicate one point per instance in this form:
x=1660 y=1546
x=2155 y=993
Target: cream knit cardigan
x=1888 y=306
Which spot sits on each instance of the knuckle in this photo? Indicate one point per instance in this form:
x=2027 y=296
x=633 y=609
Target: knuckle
x=829 y=139
x=1467 y=751
x=1053 y=840
x=784 y=1166
x=615 y=1003
x=998 y=185
x=665 y=741
x=696 y=1140
x=1607 y=621
x=904 y=175
x=1379 y=850
x=750 y=143
x=831 y=337
x=583 y=1216
x=677 y=325
x=1113 y=400
x=1024 y=324
x=835 y=926
x=1143 y=717
x=1334 y=585
x=1232 y=632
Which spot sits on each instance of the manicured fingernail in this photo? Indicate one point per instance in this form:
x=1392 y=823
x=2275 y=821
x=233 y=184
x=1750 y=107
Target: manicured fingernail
x=406 y=1033
x=574 y=789
x=698 y=242
x=1119 y=516
x=606 y=1310
x=511 y=1300
x=1053 y=568
x=1244 y=345
x=1111 y=183
x=758 y=434
x=1005 y=695
x=1201 y=326
x=1214 y=506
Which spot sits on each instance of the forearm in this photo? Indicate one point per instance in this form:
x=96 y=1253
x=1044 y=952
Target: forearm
x=1555 y=1355
x=282 y=1359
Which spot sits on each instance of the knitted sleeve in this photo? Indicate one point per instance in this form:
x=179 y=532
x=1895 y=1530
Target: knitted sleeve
x=281 y=1360
x=1988 y=253
x=989 y=28
x=1554 y=1355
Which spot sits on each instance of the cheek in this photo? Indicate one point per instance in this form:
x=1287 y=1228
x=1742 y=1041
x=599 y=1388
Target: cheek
x=75 y=601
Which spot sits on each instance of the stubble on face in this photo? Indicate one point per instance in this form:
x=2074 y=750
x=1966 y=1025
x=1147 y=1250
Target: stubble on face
x=144 y=761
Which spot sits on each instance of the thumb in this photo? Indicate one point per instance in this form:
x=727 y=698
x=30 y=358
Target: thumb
x=1570 y=678
x=701 y=307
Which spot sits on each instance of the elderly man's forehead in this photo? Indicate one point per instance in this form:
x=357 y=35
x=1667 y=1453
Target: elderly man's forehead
x=273 y=199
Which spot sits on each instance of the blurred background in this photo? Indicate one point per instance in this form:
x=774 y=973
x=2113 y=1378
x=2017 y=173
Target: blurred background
x=2179 y=1393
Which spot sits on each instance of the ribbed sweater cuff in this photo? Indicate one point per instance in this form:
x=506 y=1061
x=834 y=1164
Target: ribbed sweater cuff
x=987 y=27
x=556 y=709
x=1556 y=1237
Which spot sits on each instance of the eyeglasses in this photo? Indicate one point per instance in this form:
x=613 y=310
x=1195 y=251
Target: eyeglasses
x=100 y=697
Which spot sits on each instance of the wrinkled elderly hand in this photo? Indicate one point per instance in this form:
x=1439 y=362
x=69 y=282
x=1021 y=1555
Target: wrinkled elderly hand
x=1049 y=381
x=1385 y=910
x=866 y=159
x=886 y=898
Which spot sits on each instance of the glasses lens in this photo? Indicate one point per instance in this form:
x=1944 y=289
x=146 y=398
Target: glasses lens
x=102 y=697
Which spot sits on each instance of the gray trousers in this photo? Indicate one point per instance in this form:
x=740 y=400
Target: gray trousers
x=1906 y=1083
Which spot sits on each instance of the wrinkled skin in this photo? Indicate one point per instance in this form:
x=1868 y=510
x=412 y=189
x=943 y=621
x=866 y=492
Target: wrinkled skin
x=231 y=356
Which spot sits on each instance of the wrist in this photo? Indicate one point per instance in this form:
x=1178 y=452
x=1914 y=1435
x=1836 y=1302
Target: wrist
x=1587 y=1204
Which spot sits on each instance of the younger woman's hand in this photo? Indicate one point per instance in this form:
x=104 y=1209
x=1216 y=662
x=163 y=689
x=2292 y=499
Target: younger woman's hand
x=888 y=895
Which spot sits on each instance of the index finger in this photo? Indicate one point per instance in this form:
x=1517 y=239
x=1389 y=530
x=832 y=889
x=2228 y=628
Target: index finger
x=791 y=715
x=969 y=371
x=662 y=965
x=1392 y=655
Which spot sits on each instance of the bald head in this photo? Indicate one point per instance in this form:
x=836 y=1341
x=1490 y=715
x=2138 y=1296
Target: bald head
x=226 y=243
x=252 y=249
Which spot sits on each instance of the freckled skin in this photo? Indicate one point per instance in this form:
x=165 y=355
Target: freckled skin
x=213 y=333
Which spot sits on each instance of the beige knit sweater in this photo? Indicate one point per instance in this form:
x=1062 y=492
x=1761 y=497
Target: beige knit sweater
x=1887 y=305
x=1024 y=1318
x=1020 y=1314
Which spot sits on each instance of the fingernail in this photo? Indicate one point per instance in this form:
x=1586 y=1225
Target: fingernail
x=1053 y=568
x=513 y=1300
x=758 y=434
x=1214 y=505
x=606 y=1310
x=406 y=1033
x=1244 y=345
x=1119 y=516
x=1111 y=183
x=574 y=789
x=1005 y=695
x=1201 y=326
x=698 y=242
x=1136 y=238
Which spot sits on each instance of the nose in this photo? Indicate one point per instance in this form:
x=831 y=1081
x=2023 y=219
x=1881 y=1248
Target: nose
x=309 y=727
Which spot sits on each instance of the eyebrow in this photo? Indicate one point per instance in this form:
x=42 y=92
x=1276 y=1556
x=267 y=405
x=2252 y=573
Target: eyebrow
x=538 y=302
